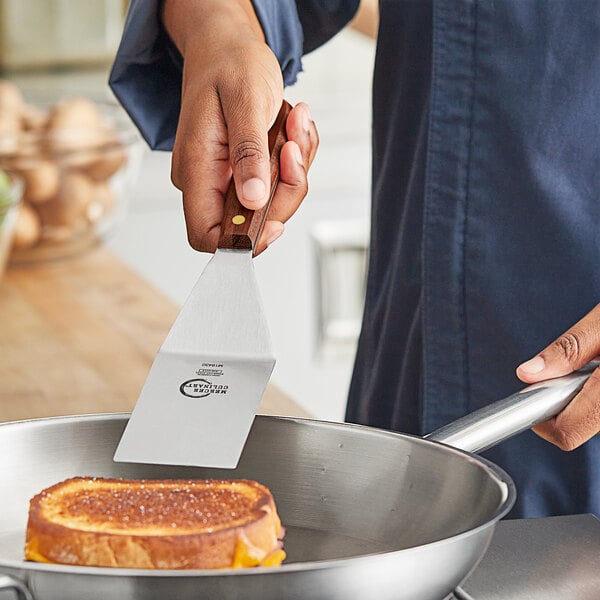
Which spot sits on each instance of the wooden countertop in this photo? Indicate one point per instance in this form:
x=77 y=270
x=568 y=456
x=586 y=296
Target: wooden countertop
x=79 y=336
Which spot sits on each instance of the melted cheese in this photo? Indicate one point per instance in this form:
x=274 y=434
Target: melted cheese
x=274 y=560
x=32 y=553
x=246 y=555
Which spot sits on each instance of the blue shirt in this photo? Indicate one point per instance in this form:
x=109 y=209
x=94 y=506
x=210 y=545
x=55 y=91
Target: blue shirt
x=485 y=239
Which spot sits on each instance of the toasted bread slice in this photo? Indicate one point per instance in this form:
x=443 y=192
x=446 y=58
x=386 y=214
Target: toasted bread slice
x=155 y=524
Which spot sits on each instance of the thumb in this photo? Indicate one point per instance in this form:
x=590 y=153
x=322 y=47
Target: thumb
x=247 y=130
x=569 y=352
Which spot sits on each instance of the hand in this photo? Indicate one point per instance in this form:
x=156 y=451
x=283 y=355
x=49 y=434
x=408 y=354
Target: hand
x=232 y=91
x=580 y=420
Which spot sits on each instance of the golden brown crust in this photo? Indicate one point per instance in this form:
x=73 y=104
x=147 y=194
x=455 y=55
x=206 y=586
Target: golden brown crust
x=154 y=524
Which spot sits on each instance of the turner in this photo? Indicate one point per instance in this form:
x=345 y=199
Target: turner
x=208 y=377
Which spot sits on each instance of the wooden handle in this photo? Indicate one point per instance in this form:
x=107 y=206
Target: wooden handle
x=241 y=227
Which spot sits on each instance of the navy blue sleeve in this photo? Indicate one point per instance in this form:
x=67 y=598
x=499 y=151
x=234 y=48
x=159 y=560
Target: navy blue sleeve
x=146 y=74
x=322 y=19
x=295 y=27
x=283 y=32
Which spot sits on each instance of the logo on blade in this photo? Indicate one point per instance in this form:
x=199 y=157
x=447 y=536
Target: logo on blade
x=200 y=388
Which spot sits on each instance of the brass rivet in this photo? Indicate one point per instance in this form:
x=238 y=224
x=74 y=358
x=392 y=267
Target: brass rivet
x=238 y=219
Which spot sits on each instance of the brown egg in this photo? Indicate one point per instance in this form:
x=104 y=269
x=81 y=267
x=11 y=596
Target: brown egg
x=28 y=150
x=33 y=118
x=27 y=229
x=106 y=160
x=68 y=207
x=11 y=99
x=41 y=179
x=74 y=113
x=10 y=130
x=73 y=124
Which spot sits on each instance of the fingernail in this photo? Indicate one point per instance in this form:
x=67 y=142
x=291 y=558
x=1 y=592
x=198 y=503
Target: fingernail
x=306 y=119
x=274 y=235
x=253 y=190
x=533 y=366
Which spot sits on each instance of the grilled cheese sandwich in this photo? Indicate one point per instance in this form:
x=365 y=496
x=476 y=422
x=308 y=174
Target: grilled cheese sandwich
x=155 y=524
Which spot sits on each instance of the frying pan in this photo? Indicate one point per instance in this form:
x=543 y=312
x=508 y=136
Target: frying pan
x=369 y=513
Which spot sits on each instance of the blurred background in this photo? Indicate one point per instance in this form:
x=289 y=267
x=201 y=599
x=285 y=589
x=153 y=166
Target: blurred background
x=312 y=279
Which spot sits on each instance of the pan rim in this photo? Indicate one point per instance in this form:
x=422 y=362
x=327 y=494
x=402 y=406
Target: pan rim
x=501 y=476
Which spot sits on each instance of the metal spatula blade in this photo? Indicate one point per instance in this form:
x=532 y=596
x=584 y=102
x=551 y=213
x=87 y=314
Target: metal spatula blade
x=207 y=380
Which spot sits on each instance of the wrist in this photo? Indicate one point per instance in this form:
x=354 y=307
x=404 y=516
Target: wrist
x=185 y=21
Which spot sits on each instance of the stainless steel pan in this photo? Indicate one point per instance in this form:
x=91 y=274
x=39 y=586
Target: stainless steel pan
x=369 y=513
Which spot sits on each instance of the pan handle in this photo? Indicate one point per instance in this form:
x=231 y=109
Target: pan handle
x=501 y=420
x=10 y=583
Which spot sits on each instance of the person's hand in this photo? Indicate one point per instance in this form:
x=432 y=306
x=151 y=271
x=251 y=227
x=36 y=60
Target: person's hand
x=580 y=420
x=232 y=91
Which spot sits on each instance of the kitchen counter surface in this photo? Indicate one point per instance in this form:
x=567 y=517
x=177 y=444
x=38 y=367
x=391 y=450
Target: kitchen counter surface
x=79 y=336
x=551 y=558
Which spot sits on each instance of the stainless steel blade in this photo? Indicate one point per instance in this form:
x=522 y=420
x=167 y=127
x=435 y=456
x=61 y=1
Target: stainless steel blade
x=208 y=378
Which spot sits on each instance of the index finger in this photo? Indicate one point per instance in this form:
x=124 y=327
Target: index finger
x=570 y=351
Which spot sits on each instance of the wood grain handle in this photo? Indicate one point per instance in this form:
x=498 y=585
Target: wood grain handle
x=241 y=227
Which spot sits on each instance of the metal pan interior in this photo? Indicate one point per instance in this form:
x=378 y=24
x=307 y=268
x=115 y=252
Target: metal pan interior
x=342 y=491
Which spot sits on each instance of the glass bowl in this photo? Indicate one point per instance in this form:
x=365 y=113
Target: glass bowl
x=10 y=200
x=78 y=159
